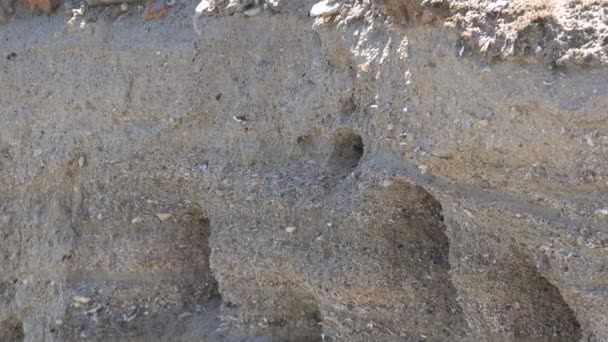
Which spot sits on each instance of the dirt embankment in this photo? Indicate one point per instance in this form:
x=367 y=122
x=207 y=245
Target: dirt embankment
x=381 y=170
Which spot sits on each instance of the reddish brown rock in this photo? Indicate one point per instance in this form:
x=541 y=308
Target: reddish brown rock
x=155 y=9
x=47 y=6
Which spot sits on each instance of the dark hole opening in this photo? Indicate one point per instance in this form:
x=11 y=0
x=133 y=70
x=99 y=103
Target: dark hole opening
x=347 y=152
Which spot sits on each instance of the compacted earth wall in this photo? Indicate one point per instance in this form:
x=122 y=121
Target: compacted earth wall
x=294 y=170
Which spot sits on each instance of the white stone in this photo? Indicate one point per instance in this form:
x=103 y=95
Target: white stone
x=325 y=8
x=603 y=211
x=164 y=216
x=81 y=299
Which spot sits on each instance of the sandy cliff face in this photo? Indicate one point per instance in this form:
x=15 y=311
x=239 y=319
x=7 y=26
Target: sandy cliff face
x=387 y=171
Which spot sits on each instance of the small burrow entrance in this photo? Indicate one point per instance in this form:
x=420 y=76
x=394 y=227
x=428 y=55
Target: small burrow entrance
x=348 y=149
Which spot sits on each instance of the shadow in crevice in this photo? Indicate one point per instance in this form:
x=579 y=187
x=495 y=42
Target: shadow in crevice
x=348 y=149
x=504 y=294
x=11 y=329
x=158 y=279
x=404 y=264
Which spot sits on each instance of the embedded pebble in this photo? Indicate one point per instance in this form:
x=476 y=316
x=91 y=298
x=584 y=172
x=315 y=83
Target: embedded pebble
x=386 y=183
x=364 y=67
x=273 y=4
x=94 y=310
x=155 y=9
x=603 y=211
x=497 y=6
x=81 y=299
x=128 y=319
x=233 y=7
x=202 y=6
x=164 y=216
x=137 y=220
x=81 y=161
x=290 y=229
x=325 y=8
x=253 y=11
x=184 y=315
x=124 y=7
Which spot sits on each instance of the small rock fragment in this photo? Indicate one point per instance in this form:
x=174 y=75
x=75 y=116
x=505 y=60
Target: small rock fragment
x=184 y=315
x=325 y=8
x=171 y=3
x=81 y=299
x=273 y=5
x=290 y=229
x=495 y=7
x=75 y=9
x=253 y=11
x=164 y=216
x=589 y=139
x=94 y=310
x=364 y=66
x=155 y=9
x=136 y=220
x=202 y=6
x=124 y=7
x=386 y=183
x=81 y=161
x=234 y=6
x=128 y=319
x=603 y=211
